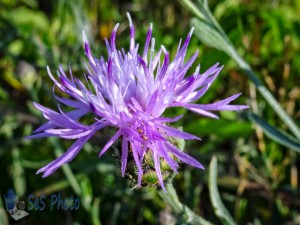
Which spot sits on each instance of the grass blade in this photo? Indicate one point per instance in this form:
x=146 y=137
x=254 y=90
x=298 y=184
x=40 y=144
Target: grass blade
x=219 y=208
x=274 y=133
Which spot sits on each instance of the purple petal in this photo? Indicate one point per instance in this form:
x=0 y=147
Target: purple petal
x=113 y=38
x=155 y=61
x=136 y=104
x=165 y=65
x=39 y=135
x=131 y=32
x=152 y=102
x=72 y=123
x=227 y=100
x=163 y=153
x=77 y=113
x=208 y=76
x=182 y=51
x=177 y=133
x=61 y=87
x=67 y=83
x=124 y=155
x=53 y=116
x=110 y=142
x=202 y=112
x=185 y=86
x=183 y=156
x=145 y=68
x=221 y=105
x=66 y=157
x=68 y=133
x=157 y=169
x=88 y=51
x=187 y=65
x=148 y=39
x=168 y=120
x=71 y=103
x=193 y=96
x=108 y=48
x=95 y=110
x=137 y=162
x=109 y=69
x=234 y=107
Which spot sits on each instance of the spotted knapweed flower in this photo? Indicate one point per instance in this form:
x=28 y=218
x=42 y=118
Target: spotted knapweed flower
x=130 y=91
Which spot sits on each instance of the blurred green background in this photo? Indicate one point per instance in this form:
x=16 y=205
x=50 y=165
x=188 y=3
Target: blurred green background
x=258 y=178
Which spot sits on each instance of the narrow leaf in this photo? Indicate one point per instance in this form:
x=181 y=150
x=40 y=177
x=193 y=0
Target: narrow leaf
x=210 y=36
x=219 y=208
x=95 y=211
x=18 y=173
x=3 y=213
x=275 y=133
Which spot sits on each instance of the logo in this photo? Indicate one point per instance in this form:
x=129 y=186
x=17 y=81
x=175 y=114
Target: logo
x=14 y=207
x=19 y=209
x=56 y=202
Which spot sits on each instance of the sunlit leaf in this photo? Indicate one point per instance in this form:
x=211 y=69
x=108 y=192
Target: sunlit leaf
x=210 y=36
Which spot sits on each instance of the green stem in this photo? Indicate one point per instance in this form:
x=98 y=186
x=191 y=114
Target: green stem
x=186 y=215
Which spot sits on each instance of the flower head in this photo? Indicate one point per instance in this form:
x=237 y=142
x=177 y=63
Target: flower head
x=131 y=91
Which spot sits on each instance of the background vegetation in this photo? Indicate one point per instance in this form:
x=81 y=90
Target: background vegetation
x=258 y=177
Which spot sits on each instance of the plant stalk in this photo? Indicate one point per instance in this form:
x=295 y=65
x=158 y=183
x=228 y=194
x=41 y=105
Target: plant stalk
x=185 y=214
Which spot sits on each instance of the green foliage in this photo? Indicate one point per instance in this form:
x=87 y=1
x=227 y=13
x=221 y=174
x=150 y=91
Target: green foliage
x=257 y=177
x=219 y=208
x=275 y=133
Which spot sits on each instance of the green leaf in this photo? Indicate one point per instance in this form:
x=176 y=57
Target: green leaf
x=210 y=36
x=86 y=190
x=18 y=173
x=230 y=129
x=3 y=213
x=28 y=20
x=219 y=208
x=95 y=211
x=275 y=133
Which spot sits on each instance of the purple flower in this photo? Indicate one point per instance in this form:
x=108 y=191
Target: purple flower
x=130 y=92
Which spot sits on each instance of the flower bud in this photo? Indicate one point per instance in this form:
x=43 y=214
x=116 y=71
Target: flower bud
x=149 y=178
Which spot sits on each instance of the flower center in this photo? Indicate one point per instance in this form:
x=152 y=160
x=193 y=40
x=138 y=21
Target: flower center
x=142 y=134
